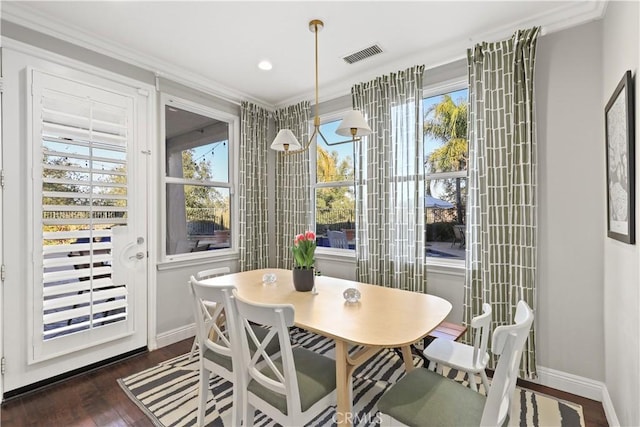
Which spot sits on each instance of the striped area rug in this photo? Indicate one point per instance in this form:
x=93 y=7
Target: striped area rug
x=167 y=393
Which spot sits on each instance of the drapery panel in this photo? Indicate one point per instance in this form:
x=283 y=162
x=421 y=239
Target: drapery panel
x=501 y=259
x=253 y=235
x=292 y=184
x=389 y=168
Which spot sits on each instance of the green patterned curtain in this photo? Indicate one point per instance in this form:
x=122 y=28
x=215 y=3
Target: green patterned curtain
x=389 y=167
x=502 y=203
x=253 y=235
x=293 y=214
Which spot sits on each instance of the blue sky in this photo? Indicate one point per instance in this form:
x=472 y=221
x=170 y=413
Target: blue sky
x=217 y=154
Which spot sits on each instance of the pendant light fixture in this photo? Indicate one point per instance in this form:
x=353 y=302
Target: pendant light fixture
x=353 y=124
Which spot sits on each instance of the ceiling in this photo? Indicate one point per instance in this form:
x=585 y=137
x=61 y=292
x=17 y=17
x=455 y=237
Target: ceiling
x=218 y=44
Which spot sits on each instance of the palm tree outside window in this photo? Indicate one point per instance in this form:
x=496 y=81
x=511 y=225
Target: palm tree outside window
x=334 y=190
x=446 y=157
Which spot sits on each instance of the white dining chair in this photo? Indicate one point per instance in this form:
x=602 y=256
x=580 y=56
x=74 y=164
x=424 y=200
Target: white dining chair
x=219 y=343
x=216 y=356
x=425 y=398
x=292 y=389
x=201 y=275
x=463 y=357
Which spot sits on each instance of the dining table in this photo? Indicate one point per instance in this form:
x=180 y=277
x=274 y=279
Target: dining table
x=382 y=318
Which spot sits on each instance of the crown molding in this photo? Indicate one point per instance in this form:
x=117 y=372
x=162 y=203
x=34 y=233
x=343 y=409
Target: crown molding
x=564 y=16
x=556 y=19
x=21 y=14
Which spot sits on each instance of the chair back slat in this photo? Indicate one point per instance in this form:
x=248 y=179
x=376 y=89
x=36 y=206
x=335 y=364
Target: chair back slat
x=212 y=272
x=508 y=342
x=480 y=325
x=260 y=358
x=208 y=320
x=279 y=317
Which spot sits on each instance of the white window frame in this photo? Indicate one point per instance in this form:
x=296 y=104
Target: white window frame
x=429 y=91
x=313 y=150
x=234 y=141
x=438 y=264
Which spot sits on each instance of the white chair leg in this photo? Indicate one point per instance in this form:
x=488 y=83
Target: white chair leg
x=194 y=348
x=485 y=382
x=203 y=394
x=236 y=406
x=248 y=412
x=472 y=381
x=432 y=365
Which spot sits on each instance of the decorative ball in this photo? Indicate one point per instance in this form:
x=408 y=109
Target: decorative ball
x=351 y=295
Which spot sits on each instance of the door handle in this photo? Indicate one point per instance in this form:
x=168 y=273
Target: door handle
x=139 y=255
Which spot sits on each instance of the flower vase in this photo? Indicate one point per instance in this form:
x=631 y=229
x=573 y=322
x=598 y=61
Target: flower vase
x=303 y=279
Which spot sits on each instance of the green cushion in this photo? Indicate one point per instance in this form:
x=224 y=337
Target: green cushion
x=218 y=359
x=424 y=398
x=316 y=378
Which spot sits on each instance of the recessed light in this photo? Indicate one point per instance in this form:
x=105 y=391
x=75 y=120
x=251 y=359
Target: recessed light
x=265 y=65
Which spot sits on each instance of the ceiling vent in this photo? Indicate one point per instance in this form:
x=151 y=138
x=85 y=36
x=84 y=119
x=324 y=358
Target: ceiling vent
x=362 y=54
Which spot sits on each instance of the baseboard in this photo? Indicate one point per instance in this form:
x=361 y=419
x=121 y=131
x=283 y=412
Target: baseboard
x=581 y=386
x=570 y=383
x=167 y=338
x=609 y=410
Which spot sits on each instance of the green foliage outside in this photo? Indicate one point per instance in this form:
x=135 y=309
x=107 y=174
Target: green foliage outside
x=335 y=206
x=203 y=203
x=58 y=168
x=446 y=122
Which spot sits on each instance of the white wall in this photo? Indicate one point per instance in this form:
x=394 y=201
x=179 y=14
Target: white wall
x=621 y=261
x=569 y=316
x=173 y=306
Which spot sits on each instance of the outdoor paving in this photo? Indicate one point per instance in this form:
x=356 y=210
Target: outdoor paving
x=447 y=251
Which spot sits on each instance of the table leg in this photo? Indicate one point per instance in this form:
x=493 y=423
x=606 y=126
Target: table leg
x=345 y=366
x=407 y=357
x=343 y=385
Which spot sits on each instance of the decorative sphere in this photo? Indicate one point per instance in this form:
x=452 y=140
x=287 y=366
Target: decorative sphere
x=268 y=278
x=351 y=295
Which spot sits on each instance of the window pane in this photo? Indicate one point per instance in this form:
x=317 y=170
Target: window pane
x=334 y=163
x=446 y=150
x=335 y=211
x=196 y=146
x=198 y=218
x=445 y=132
x=445 y=205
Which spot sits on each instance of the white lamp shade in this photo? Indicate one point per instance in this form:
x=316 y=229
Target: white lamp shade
x=353 y=120
x=285 y=140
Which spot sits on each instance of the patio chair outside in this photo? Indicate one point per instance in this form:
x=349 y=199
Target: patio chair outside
x=338 y=239
x=458 y=236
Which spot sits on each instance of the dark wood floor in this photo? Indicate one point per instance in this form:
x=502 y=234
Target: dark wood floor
x=95 y=399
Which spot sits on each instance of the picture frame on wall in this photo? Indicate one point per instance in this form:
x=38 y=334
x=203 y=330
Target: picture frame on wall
x=620 y=137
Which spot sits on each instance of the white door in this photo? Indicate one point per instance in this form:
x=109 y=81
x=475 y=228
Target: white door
x=85 y=290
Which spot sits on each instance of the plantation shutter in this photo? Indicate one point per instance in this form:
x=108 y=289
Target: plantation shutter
x=83 y=133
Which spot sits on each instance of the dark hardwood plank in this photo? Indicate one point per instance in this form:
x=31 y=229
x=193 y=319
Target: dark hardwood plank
x=95 y=399
x=91 y=399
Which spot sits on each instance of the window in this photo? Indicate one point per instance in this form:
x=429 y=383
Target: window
x=199 y=188
x=446 y=155
x=334 y=190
